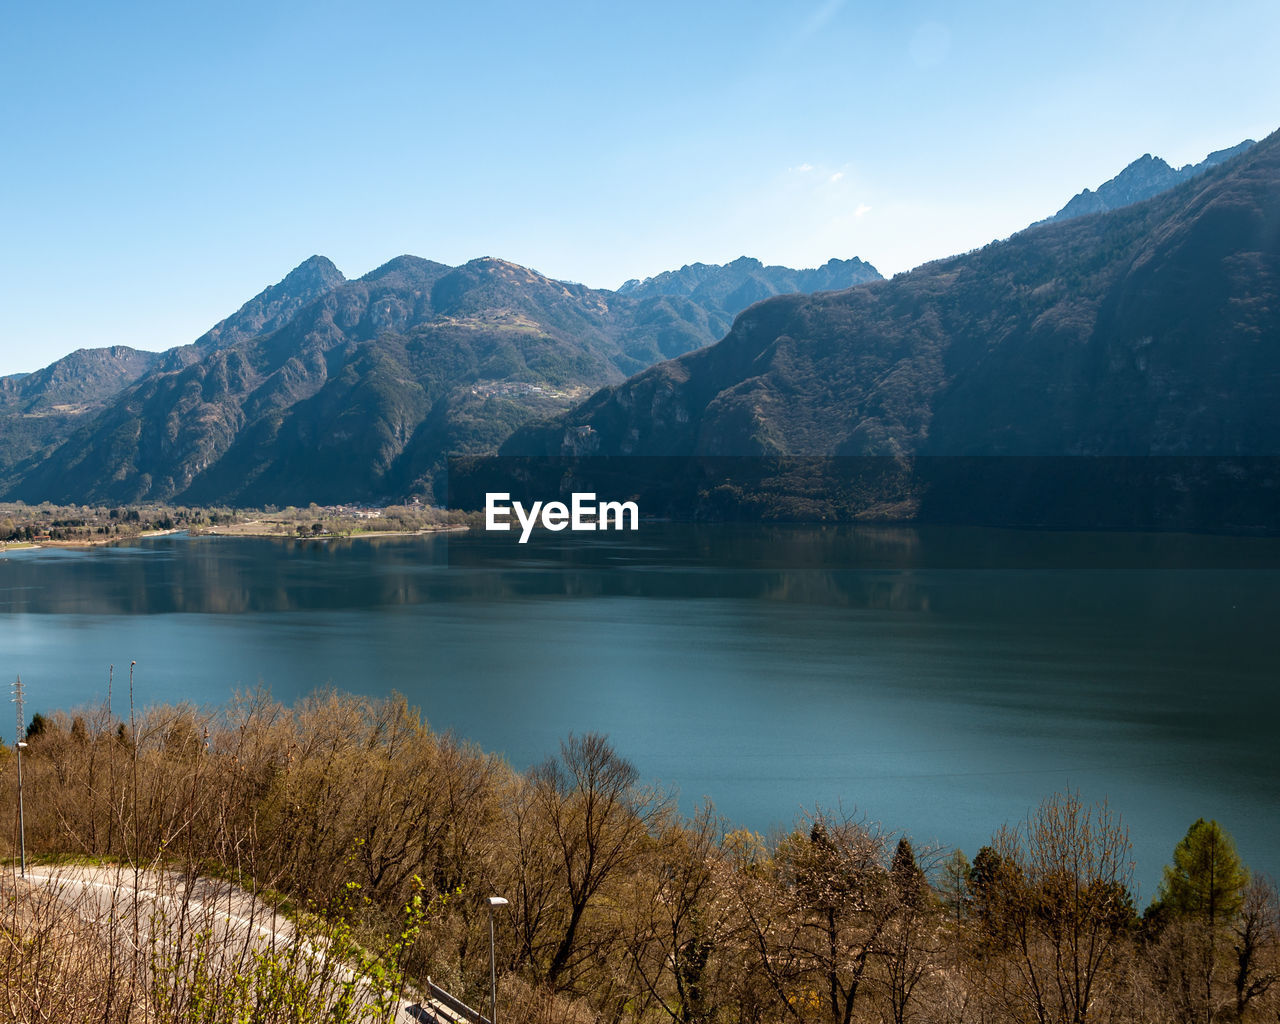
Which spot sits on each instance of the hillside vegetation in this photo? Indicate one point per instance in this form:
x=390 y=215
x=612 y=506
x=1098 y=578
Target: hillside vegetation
x=620 y=908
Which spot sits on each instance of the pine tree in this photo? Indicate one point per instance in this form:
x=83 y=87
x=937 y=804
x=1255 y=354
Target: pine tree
x=907 y=877
x=1207 y=879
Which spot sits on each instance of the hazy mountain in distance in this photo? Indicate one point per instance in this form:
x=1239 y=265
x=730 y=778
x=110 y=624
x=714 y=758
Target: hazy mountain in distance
x=730 y=288
x=1146 y=177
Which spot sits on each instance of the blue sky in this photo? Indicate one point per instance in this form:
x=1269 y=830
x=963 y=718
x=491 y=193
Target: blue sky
x=163 y=162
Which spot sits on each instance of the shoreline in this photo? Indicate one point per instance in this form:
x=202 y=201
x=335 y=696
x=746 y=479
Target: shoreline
x=222 y=531
x=87 y=542
x=225 y=531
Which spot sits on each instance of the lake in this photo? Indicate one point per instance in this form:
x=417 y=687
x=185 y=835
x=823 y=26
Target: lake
x=940 y=681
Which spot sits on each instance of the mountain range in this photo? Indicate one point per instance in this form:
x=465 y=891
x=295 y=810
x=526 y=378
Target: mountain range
x=746 y=281
x=1146 y=330
x=324 y=389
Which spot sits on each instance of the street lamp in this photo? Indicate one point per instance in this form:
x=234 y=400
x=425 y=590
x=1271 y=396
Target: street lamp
x=494 y=901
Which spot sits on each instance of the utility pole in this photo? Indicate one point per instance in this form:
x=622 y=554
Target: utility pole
x=21 y=745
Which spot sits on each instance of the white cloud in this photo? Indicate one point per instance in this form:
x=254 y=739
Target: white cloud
x=802 y=168
x=836 y=177
x=862 y=210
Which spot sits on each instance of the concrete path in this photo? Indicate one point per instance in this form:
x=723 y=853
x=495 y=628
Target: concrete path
x=145 y=908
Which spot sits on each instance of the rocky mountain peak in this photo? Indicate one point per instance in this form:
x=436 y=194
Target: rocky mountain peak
x=1144 y=178
x=275 y=306
x=316 y=273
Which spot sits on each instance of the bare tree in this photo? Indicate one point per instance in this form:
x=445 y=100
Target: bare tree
x=588 y=805
x=1065 y=906
x=1257 y=945
x=678 y=925
x=818 y=915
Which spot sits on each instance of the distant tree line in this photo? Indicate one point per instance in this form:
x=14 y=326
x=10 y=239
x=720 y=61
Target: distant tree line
x=70 y=523
x=21 y=523
x=621 y=909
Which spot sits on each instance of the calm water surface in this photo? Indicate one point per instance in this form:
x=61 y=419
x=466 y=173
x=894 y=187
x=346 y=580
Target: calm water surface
x=940 y=681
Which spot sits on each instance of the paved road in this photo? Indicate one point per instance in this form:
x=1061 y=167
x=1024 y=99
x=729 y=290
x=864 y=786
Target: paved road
x=152 y=908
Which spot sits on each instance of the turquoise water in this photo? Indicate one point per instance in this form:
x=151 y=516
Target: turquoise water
x=938 y=681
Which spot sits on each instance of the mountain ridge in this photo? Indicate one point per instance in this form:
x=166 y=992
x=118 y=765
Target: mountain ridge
x=1142 y=179
x=727 y=277
x=38 y=410
x=324 y=387
x=1134 y=332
